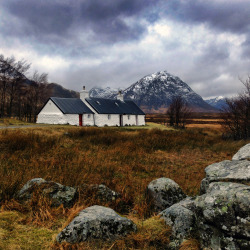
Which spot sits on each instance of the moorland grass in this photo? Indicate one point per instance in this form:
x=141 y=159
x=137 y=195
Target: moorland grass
x=122 y=159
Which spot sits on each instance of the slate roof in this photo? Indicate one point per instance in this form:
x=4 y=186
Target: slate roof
x=71 y=105
x=110 y=106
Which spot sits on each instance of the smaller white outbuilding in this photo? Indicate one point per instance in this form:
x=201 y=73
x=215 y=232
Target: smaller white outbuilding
x=88 y=111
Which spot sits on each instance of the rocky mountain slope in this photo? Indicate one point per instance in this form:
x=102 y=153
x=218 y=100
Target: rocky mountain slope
x=153 y=93
x=218 y=102
x=103 y=92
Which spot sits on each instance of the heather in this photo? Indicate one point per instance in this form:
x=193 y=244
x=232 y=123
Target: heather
x=123 y=159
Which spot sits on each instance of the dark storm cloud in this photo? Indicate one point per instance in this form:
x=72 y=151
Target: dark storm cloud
x=231 y=16
x=52 y=21
x=214 y=53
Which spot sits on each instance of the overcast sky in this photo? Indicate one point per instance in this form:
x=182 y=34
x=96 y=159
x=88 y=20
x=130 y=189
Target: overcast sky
x=116 y=42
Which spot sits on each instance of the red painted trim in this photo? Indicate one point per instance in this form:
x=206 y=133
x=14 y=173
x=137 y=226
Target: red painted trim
x=80 y=120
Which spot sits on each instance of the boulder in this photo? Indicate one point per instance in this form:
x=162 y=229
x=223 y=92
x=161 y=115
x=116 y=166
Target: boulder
x=102 y=192
x=233 y=171
x=243 y=153
x=57 y=193
x=181 y=218
x=96 y=222
x=223 y=216
x=163 y=193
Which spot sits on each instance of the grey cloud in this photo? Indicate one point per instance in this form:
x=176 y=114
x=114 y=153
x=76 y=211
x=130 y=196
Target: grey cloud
x=246 y=48
x=228 y=15
x=51 y=21
x=214 y=53
x=232 y=16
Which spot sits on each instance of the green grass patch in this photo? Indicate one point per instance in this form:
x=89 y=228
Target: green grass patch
x=11 y=121
x=16 y=235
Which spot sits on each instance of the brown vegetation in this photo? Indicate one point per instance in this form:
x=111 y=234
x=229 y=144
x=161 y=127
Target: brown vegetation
x=123 y=159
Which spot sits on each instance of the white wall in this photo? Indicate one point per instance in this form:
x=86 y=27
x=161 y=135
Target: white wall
x=129 y=120
x=102 y=119
x=88 y=119
x=49 y=108
x=141 y=120
x=51 y=118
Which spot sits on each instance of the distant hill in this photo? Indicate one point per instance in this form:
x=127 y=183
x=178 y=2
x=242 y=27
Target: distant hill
x=153 y=93
x=57 y=90
x=218 y=102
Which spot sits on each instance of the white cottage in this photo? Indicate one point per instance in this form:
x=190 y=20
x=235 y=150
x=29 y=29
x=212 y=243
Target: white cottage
x=88 y=111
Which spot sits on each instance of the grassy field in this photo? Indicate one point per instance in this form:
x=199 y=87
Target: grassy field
x=124 y=159
x=11 y=121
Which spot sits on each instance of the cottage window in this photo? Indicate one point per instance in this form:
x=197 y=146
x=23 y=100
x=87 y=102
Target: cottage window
x=128 y=117
x=89 y=115
x=109 y=116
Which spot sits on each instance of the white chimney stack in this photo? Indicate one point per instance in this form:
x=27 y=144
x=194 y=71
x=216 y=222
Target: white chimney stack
x=120 y=96
x=84 y=94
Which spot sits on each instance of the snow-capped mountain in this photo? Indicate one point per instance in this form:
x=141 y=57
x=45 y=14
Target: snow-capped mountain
x=154 y=93
x=218 y=102
x=103 y=93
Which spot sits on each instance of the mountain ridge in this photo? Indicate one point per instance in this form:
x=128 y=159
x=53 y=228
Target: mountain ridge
x=154 y=93
x=218 y=102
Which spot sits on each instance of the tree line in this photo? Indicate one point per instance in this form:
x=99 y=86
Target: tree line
x=21 y=96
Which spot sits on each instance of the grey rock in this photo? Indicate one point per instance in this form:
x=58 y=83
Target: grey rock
x=233 y=171
x=223 y=216
x=243 y=153
x=103 y=193
x=96 y=222
x=58 y=194
x=181 y=218
x=163 y=193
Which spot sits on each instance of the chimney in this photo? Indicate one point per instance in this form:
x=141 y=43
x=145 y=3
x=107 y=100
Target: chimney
x=84 y=94
x=120 y=96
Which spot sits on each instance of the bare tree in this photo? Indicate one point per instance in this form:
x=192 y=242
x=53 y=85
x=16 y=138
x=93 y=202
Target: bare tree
x=18 y=78
x=38 y=92
x=178 y=112
x=236 y=115
x=6 y=70
x=18 y=95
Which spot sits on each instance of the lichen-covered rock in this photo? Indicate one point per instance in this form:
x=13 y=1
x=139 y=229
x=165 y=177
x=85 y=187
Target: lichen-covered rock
x=243 y=153
x=96 y=222
x=223 y=216
x=181 y=218
x=163 y=193
x=102 y=192
x=233 y=171
x=57 y=193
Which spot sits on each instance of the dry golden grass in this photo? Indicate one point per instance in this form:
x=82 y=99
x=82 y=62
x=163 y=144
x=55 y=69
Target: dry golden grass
x=123 y=159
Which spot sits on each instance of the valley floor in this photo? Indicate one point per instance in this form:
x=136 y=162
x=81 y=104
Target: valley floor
x=124 y=159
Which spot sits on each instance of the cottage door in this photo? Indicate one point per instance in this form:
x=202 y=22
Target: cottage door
x=80 y=120
x=121 y=121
